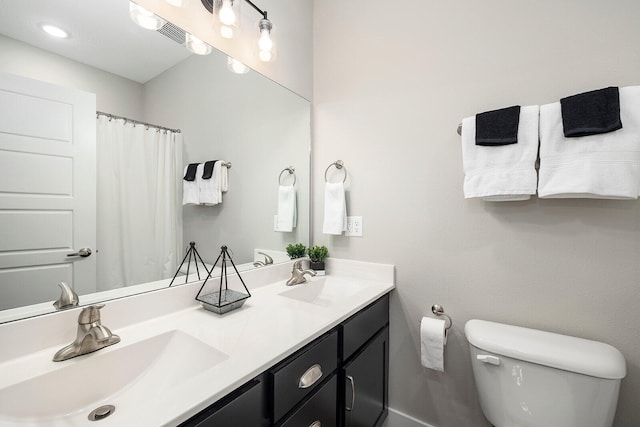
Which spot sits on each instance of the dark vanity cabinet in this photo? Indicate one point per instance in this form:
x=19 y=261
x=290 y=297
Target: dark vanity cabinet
x=338 y=380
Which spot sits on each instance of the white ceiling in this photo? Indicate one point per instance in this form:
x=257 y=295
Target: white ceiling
x=102 y=35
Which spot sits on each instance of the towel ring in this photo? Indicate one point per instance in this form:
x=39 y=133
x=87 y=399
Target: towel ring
x=339 y=164
x=291 y=171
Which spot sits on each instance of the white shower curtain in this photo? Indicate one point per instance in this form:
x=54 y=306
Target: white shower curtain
x=139 y=217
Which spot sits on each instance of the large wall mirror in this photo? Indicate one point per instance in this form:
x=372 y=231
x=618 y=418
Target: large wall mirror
x=251 y=123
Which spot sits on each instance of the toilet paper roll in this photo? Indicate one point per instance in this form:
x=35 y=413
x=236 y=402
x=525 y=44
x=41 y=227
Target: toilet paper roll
x=432 y=341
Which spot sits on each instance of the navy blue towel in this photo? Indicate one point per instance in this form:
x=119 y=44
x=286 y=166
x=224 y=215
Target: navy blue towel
x=191 y=172
x=591 y=113
x=208 y=169
x=498 y=127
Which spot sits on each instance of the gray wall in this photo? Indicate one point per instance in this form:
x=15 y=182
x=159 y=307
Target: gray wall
x=391 y=83
x=251 y=121
x=114 y=94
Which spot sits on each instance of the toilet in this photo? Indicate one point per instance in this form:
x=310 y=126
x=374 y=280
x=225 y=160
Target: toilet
x=530 y=378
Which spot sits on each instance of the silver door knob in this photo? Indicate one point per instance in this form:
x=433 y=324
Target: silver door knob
x=84 y=252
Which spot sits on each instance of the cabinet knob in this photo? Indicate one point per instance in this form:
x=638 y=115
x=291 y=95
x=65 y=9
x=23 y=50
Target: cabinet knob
x=310 y=377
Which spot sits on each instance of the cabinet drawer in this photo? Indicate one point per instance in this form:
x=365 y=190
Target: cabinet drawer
x=319 y=411
x=302 y=373
x=359 y=328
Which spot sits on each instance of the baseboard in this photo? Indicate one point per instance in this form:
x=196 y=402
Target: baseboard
x=399 y=419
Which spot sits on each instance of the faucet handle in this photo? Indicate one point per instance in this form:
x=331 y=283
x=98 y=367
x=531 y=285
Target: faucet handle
x=90 y=314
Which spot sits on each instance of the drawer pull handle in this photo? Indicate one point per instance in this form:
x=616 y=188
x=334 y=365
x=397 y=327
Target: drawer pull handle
x=310 y=377
x=316 y=424
x=353 y=393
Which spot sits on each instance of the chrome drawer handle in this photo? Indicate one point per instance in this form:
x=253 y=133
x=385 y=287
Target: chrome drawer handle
x=353 y=393
x=316 y=424
x=310 y=377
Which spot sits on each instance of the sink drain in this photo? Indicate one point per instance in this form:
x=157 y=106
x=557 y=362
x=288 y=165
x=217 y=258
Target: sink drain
x=101 y=413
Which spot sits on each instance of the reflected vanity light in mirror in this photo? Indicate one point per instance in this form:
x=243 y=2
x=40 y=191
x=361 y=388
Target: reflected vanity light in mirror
x=236 y=66
x=227 y=15
x=196 y=45
x=144 y=18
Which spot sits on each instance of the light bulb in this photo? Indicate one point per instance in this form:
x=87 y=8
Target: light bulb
x=196 y=45
x=226 y=14
x=265 y=42
x=265 y=56
x=144 y=18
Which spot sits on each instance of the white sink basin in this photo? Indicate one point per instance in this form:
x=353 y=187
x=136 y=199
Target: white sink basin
x=324 y=291
x=126 y=374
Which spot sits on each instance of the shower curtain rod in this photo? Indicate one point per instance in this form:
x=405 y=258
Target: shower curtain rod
x=137 y=122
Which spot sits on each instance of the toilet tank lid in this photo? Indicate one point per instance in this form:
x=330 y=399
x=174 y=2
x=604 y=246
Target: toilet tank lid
x=564 y=352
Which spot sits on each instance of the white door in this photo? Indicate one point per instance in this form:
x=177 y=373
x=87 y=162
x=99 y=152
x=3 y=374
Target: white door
x=47 y=190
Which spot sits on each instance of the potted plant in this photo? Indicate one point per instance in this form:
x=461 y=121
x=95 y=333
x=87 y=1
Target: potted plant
x=296 y=250
x=317 y=254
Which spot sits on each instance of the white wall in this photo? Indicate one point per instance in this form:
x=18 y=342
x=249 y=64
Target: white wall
x=391 y=83
x=292 y=23
x=114 y=94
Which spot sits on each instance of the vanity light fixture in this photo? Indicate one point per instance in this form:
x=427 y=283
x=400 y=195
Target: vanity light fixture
x=236 y=66
x=227 y=15
x=196 y=45
x=54 y=31
x=144 y=18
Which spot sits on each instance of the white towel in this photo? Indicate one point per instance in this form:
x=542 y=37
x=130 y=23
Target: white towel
x=224 y=177
x=190 y=190
x=209 y=192
x=287 y=211
x=501 y=173
x=604 y=166
x=335 y=208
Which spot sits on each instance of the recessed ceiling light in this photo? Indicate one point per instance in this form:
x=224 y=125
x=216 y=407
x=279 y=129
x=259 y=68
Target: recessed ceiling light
x=54 y=31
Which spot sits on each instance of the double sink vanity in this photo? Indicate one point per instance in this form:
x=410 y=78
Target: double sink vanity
x=314 y=354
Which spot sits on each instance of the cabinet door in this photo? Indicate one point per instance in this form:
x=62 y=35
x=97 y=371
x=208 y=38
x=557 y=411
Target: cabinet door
x=366 y=383
x=242 y=408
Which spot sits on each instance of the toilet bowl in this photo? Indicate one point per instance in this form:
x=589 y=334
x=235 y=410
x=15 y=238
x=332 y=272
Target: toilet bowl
x=530 y=378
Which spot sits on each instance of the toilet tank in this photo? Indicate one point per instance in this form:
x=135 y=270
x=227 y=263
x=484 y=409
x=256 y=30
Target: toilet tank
x=531 y=378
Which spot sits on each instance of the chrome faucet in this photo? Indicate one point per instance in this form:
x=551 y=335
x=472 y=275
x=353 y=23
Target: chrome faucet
x=91 y=336
x=68 y=298
x=297 y=274
x=267 y=260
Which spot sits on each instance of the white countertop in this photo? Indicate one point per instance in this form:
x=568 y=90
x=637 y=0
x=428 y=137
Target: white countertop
x=265 y=330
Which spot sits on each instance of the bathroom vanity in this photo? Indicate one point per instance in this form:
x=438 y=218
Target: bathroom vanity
x=315 y=354
x=349 y=388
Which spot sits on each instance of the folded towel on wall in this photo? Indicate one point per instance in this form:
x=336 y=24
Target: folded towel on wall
x=287 y=210
x=224 y=177
x=605 y=165
x=498 y=127
x=506 y=172
x=591 y=113
x=190 y=188
x=335 y=208
x=209 y=192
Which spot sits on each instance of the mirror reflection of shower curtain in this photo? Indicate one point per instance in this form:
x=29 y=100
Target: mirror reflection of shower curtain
x=139 y=235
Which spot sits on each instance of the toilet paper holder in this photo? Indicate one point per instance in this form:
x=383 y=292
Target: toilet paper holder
x=438 y=310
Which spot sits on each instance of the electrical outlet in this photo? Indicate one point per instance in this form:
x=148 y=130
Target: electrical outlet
x=354 y=226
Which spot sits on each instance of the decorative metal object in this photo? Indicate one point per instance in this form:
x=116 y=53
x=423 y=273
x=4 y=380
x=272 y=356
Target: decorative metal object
x=192 y=253
x=226 y=299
